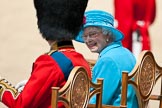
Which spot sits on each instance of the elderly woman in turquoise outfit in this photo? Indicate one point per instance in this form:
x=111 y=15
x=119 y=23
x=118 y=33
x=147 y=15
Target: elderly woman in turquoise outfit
x=101 y=37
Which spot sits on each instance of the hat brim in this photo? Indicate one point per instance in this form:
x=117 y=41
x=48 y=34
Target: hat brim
x=118 y=35
x=79 y=37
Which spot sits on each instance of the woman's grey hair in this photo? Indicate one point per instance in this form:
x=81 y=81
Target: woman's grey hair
x=106 y=31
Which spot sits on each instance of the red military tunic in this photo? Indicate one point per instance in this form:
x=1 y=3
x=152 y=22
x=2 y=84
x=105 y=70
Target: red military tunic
x=47 y=71
x=129 y=13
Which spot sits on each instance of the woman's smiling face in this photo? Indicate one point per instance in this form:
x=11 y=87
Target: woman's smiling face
x=95 y=39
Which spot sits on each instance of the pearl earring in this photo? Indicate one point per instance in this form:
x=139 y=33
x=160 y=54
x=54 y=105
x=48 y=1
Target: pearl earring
x=107 y=40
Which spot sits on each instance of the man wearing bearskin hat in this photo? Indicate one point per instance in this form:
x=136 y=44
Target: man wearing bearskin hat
x=59 y=21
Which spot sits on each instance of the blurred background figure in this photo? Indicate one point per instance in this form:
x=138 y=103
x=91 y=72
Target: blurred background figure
x=135 y=17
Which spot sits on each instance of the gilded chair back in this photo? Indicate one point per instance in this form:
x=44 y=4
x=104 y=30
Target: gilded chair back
x=143 y=77
x=76 y=92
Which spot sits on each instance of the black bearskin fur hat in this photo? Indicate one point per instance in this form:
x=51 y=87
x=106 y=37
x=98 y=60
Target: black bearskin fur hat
x=60 y=19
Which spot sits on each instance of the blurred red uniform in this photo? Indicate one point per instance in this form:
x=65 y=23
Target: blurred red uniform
x=135 y=15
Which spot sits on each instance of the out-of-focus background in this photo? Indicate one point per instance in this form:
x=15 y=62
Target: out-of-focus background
x=21 y=43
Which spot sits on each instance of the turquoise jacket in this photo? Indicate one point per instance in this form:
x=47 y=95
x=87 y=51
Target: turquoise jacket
x=111 y=62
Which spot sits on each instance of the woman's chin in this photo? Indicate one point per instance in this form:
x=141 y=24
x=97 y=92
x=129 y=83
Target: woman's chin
x=93 y=50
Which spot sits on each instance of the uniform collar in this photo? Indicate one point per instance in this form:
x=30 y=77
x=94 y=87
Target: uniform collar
x=62 y=45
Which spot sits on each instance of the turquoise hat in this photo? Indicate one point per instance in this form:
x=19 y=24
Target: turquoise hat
x=100 y=19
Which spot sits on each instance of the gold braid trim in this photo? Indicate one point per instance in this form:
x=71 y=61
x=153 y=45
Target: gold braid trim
x=52 y=51
x=6 y=86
